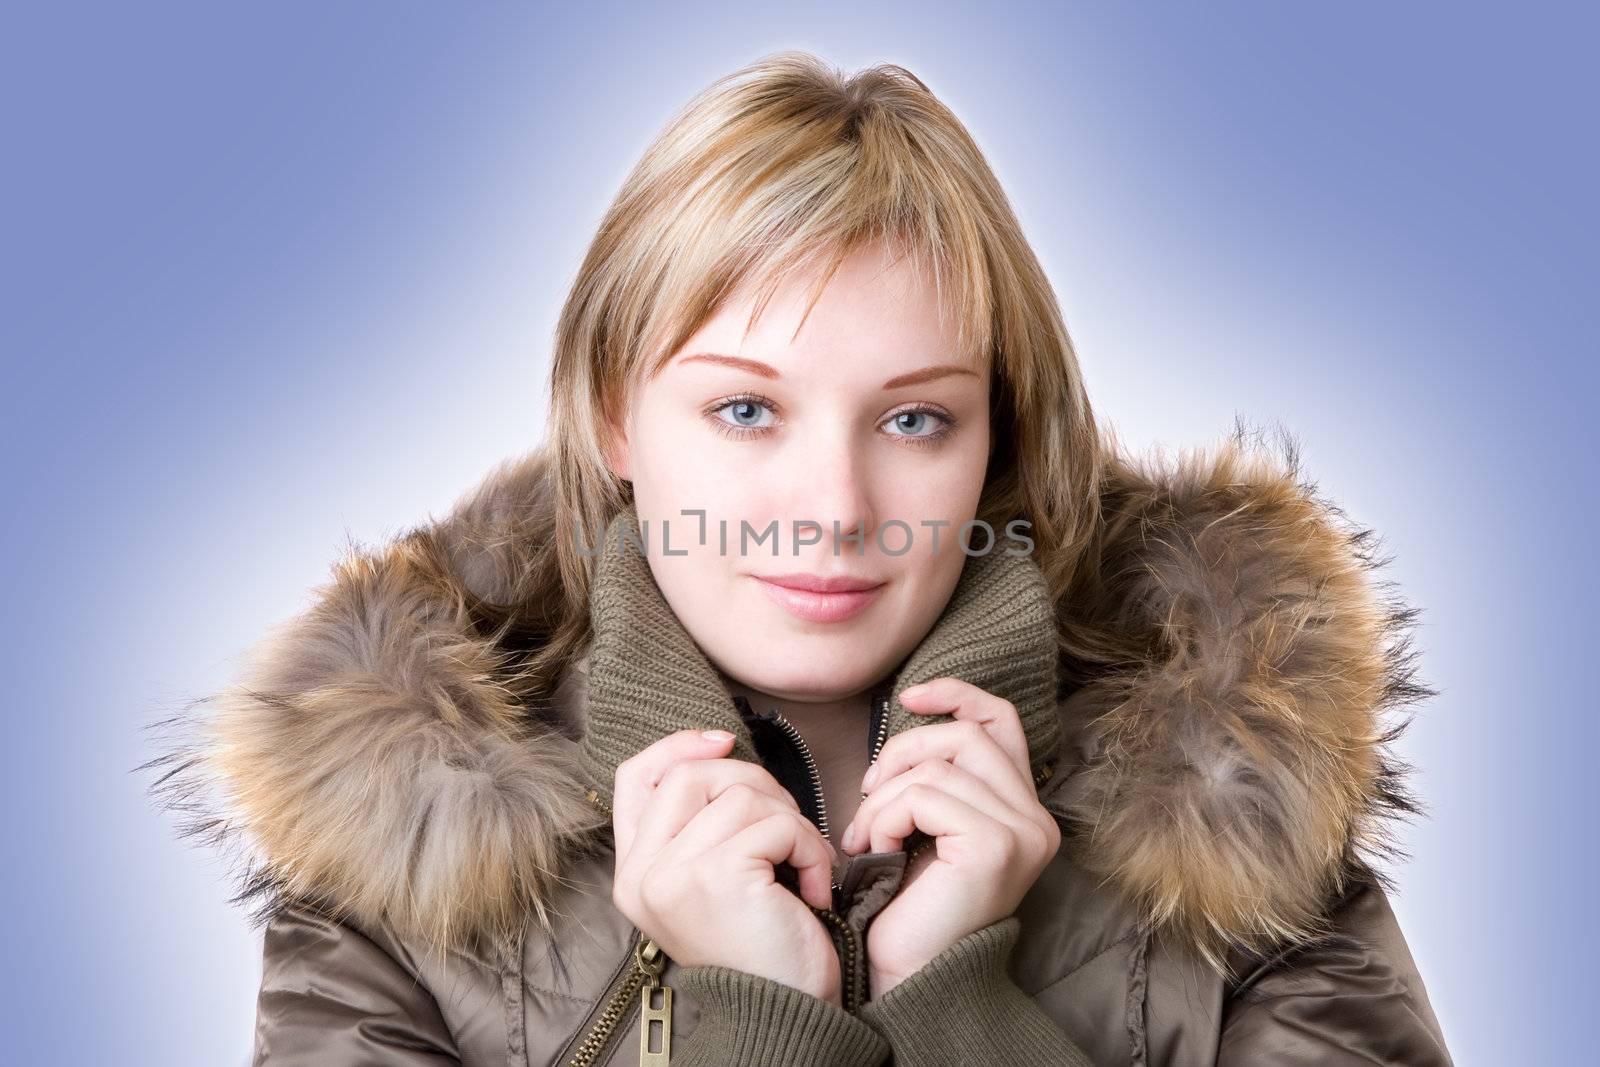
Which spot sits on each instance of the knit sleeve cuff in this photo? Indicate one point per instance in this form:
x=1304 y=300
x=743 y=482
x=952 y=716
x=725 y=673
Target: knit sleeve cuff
x=963 y=1007
x=749 y=1019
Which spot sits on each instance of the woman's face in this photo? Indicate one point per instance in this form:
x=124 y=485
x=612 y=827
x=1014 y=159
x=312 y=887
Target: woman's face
x=870 y=415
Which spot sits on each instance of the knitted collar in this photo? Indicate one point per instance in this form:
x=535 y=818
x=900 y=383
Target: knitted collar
x=647 y=678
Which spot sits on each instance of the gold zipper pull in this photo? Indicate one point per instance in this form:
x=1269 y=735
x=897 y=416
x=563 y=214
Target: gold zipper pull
x=652 y=962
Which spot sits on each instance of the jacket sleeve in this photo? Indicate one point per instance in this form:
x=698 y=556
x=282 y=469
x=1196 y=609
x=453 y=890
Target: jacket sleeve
x=963 y=1007
x=1351 y=997
x=331 y=997
x=758 y=1022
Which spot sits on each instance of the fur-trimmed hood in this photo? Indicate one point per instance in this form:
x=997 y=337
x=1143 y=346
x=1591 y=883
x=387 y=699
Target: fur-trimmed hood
x=376 y=755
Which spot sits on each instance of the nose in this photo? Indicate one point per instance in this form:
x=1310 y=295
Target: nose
x=833 y=485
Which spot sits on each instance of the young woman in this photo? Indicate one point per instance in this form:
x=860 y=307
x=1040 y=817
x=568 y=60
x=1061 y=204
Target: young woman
x=827 y=689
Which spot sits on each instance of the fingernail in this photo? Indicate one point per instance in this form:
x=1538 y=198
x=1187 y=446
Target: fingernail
x=914 y=691
x=849 y=836
x=872 y=776
x=716 y=735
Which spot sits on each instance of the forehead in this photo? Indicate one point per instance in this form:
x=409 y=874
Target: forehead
x=873 y=313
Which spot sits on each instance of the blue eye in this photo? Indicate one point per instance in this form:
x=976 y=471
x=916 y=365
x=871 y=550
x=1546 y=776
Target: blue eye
x=913 y=427
x=910 y=421
x=746 y=413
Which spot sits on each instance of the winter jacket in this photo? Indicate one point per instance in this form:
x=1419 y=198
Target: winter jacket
x=429 y=841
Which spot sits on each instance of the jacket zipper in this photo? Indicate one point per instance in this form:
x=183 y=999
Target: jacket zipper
x=853 y=978
x=649 y=961
x=643 y=979
x=850 y=951
x=878 y=730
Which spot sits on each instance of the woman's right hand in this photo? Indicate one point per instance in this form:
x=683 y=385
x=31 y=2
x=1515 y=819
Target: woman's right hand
x=697 y=838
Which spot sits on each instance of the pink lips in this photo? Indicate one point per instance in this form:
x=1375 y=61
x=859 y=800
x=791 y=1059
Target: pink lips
x=818 y=599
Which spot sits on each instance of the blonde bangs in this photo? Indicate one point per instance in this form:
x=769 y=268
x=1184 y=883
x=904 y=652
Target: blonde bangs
x=749 y=187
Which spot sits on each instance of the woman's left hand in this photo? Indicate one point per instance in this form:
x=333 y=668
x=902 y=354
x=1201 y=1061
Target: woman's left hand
x=967 y=784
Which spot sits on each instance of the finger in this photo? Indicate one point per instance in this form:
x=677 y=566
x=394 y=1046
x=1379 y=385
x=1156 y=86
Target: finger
x=637 y=776
x=965 y=744
x=781 y=837
x=686 y=788
x=957 y=824
x=740 y=806
x=733 y=809
x=938 y=774
x=967 y=702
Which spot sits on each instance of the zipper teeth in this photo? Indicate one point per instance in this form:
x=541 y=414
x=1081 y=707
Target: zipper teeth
x=811 y=770
x=1042 y=775
x=883 y=730
x=851 y=952
x=624 y=989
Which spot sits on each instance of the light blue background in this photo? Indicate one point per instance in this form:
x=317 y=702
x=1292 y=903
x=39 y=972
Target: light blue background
x=277 y=273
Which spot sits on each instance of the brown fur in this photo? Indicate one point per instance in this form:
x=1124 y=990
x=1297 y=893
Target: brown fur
x=1242 y=775
x=1229 y=653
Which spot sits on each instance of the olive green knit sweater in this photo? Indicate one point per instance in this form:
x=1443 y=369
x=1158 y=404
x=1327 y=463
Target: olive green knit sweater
x=647 y=678
x=961 y=1009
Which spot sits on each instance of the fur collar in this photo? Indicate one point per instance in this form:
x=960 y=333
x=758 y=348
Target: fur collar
x=375 y=756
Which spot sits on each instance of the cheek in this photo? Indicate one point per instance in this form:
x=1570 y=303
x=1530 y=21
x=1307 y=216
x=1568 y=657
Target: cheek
x=676 y=466
x=946 y=485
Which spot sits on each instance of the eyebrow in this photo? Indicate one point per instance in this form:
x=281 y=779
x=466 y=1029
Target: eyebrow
x=765 y=370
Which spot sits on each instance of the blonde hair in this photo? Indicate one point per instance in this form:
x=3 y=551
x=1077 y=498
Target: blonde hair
x=784 y=166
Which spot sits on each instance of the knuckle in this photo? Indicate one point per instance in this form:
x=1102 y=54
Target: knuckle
x=1004 y=848
x=625 y=895
x=677 y=776
x=1036 y=840
x=769 y=786
x=779 y=820
x=742 y=796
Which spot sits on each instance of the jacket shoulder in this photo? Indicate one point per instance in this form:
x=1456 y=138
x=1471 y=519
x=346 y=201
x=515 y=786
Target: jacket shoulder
x=325 y=980
x=1351 y=995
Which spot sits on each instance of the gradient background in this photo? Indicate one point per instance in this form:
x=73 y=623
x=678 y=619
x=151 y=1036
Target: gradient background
x=280 y=273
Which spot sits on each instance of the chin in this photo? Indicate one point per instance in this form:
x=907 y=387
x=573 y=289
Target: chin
x=805 y=674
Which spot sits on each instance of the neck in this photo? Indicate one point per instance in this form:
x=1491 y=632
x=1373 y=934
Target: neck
x=835 y=732
x=824 y=718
